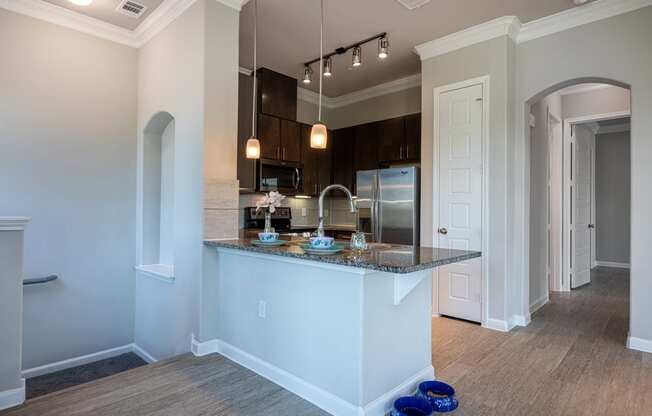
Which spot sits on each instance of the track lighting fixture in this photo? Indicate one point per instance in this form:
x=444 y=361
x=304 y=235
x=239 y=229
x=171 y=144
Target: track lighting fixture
x=328 y=67
x=307 y=75
x=357 y=56
x=383 y=47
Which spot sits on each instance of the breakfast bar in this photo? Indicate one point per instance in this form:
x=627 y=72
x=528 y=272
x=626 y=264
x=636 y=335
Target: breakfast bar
x=349 y=332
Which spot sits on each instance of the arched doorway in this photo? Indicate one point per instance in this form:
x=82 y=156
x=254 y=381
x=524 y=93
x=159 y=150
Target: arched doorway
x=564 y=124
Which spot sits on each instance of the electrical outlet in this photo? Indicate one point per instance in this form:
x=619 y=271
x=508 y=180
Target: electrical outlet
x=326 y=213
x=304 y=212
x=262 y=309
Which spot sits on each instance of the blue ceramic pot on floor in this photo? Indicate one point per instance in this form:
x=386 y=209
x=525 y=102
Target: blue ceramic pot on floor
x=440 y=395
x=411 y=406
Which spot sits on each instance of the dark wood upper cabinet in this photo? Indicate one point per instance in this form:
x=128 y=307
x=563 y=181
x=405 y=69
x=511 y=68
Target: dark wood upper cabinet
x=366 y=147
x=342 y=146
x=412 y=137
x=246 y=167
x=277 y=94
x=391 y=139
x=310 y=160
x=269 y=134
x=290 y=141
x=325 y=158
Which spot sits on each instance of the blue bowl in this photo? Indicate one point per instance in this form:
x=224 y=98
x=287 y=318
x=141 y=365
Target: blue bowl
x=440 y=395
x=411 y=406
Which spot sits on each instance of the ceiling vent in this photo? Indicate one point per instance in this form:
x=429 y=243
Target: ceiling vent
x=131 y=8
x=413 y=4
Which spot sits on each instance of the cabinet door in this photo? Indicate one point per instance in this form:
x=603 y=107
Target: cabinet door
x=366 y=147
x=412 y=137
x=246 y=167
x=391 y=139
x=310 y=159
x=343 y=157
x=269 y=134
x=277 y=94
x=324 y=173
x=290 y=141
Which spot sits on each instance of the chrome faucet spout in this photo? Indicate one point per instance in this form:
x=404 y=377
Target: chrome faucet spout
x=320 y=229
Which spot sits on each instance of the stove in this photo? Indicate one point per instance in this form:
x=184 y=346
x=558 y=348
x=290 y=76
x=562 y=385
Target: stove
x=281 y=219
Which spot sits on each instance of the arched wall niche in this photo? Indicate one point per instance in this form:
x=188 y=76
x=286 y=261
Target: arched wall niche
x=158 y=191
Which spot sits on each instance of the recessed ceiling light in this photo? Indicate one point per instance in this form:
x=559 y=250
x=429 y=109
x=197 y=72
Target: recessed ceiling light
x=81 y=2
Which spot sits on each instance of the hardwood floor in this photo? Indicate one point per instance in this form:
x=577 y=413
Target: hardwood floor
x=571 y=360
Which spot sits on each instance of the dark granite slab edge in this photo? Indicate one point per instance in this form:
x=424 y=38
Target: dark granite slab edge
x=346 y=259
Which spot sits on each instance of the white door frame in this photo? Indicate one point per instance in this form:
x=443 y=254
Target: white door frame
x=568 y=215
x=484 y=81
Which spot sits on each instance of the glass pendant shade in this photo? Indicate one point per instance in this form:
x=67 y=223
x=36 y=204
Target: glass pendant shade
x=307 y=75
x=253 y=148
x=318 y=136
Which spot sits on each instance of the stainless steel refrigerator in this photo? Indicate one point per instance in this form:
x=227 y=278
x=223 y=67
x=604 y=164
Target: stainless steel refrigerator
x=388 y=205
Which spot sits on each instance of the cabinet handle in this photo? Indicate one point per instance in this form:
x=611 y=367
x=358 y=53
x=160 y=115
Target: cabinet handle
x=407 y=151
x=284 y=153
x=400 y=152
x=278 y=152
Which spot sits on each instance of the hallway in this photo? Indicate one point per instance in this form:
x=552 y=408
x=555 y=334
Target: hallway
x=571 y=360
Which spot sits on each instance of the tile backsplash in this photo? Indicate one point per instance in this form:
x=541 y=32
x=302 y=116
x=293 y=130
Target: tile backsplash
x=336 y=209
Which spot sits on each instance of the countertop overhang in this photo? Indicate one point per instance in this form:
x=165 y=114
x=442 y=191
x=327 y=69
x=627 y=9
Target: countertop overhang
x=399 y=259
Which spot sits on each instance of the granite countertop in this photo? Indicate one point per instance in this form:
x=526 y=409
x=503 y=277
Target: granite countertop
x=382 y=257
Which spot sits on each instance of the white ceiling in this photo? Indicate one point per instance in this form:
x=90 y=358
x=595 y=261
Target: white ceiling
x=105 y=10
x=288 y=33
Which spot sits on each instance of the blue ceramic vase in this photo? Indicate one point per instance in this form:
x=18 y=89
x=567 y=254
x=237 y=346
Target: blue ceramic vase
x=411 y=406
x=440 y=395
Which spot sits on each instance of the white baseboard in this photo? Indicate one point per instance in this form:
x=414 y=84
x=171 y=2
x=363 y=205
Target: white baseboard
x=86 y=359
x=520 y=320
x=539 y=303
x=612 y=264
x=147 y=357
x=315 y=395
x=383 y=405
x=496 y=325
x=13 y=397
x=639 y=344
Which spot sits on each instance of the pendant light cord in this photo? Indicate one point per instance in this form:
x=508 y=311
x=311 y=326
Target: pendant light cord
x=321 y=57
x=254 y=100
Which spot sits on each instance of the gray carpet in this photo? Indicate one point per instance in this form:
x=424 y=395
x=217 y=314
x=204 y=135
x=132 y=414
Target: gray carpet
x=49 y=383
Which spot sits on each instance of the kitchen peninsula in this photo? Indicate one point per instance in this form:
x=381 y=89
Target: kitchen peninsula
x=348 y=332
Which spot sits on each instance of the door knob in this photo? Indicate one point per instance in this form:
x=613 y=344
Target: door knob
x=443 y=231
x=591 y=225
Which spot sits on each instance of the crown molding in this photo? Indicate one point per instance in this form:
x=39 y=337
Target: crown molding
x=61 y=16
x=520 y=33
x=159 y=19
x=503 y=26
x=245 y=71
x=13 y=223
x=398 y=85
x=578 y=16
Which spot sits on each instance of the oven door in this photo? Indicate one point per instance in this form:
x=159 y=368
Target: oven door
x=284 y=177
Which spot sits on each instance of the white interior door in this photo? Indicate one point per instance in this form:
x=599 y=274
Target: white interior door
x=582 y=200
x=460 y=200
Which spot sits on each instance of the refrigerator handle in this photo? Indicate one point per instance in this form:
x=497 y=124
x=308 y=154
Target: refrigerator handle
x=378 y=199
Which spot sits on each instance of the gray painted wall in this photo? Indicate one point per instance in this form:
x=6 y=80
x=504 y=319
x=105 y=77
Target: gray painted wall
x=612 y=183
x=620 y=51
x=608 y=100
x=68 y=161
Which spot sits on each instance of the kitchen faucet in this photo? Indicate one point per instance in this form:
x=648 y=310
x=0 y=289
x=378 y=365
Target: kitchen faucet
x=320 y=229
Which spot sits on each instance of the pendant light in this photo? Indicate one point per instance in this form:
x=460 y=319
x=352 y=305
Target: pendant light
x=307 y=75
x=253 y=144
x=319 y=133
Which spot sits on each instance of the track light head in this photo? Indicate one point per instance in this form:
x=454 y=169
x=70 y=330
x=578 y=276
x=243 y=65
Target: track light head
x=357 y=56
x=307 y=75
x=383 y=47
x=328 y=67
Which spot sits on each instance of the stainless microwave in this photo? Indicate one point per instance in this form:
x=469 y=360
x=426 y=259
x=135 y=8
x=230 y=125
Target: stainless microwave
x=282 y=176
